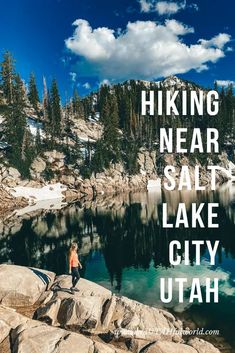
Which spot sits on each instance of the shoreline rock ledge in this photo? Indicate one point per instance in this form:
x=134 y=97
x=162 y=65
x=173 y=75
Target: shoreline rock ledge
x=92 y=320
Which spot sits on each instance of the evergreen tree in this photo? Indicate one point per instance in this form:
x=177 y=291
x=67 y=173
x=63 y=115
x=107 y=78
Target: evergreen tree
x=15 y=124
x=78 y=109
x=53 y=124
x=108 y=147
x=38 y=142
x=33 y=92
x=45 y=99
x=28 y=153
x=110 y=119
x=56 y=116
x=100 y=158
x=8 y=76
x=48 y=117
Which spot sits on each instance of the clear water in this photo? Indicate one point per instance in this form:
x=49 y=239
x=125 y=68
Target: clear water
x=124 y=248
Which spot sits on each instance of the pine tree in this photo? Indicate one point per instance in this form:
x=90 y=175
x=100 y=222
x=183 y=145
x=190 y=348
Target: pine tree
x=78 y=109
x=56 y=116
x=45 y=99
x=49 y=141
x=110 y=119
x=33 y=92
x=100 y=158
x=8 y=76
x=38 y=142
x=15 y=124
x=108 y=147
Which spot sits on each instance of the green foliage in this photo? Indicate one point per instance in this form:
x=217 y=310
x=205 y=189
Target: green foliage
x=15 y=124
x=100 y=159
x=130 y=150
x=33 y=92
x=22 y=149
x=54 y=116
x=38 y=143
x=48 y=174
x=77 y=105
x=125 y=130
x=8 y=76
x=72 y=153
x=55 y=110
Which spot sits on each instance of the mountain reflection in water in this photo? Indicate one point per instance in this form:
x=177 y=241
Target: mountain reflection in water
x=124 y=247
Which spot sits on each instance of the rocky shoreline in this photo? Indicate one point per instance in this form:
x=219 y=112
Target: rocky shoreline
x=93 y=320
x=112 y=181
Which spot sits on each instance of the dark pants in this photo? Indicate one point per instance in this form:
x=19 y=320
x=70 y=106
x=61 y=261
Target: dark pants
x=75 y=276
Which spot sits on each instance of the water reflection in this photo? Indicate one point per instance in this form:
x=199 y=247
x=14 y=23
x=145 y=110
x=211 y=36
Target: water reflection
x=124 y=247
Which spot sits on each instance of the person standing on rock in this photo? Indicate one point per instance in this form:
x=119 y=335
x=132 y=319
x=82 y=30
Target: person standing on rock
x=74 y=265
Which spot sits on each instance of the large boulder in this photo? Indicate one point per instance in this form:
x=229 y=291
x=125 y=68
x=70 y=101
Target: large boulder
x=80 y=311
x=36 y=337
x=14 y=173
x=9 y=319
x=54 y=156
x=195 y=345
x=96 y=310
x=38 y=165
x=21 y=286
x=68 y=180
x=93 y=310
x=202 y=346
x=169 y=347
x=29 y=336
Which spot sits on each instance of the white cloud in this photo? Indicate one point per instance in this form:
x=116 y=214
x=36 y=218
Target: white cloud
x=225 y=82
x=165 y=7
x=178 y=28
x=73 y=76
x=218 y=41
x=145 y=6
x=86 y=85
x=169 y=8
x=145 y=50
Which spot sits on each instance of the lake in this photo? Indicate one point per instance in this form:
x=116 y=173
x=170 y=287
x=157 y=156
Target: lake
x=124 y=248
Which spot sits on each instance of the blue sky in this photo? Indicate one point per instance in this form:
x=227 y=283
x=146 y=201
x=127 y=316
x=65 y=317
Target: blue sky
x=161 y=39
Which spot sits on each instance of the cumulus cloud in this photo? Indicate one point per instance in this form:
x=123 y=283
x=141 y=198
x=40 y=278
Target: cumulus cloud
x=218 y=41
x=145 y=6
x=225 y=82
x=145 y=50
x=165 y=8
x=169 y=8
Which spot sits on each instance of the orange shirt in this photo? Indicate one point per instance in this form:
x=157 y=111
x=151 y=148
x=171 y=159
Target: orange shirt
x=74 y=259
